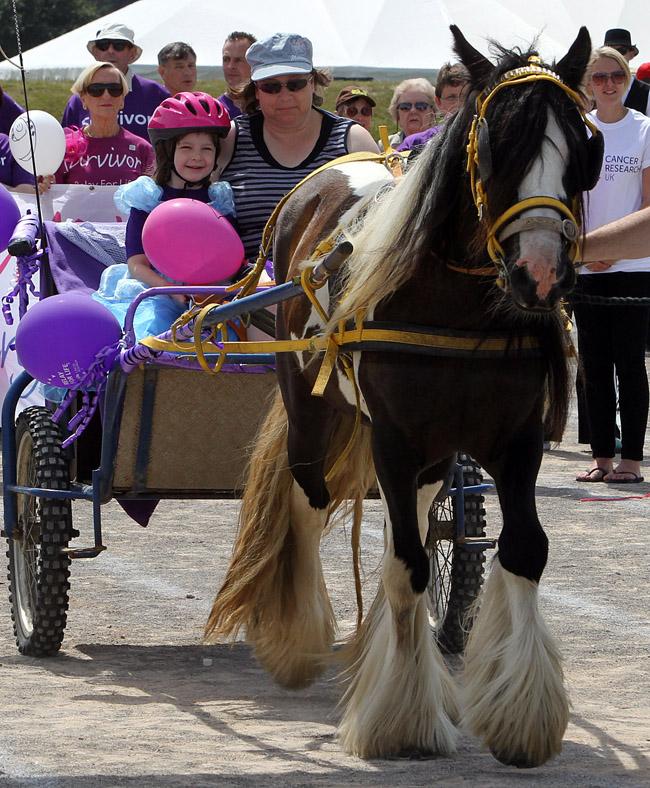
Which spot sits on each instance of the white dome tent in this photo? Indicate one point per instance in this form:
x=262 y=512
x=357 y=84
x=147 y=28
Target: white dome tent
x=364 y=37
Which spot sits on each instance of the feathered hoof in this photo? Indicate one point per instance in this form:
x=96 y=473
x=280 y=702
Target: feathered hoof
x=520 y=760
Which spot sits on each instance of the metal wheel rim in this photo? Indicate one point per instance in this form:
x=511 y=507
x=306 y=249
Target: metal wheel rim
x=25 y=549
x=441 y=560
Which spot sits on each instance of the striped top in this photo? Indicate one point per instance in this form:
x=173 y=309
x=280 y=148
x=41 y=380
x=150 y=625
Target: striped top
x=258 y=182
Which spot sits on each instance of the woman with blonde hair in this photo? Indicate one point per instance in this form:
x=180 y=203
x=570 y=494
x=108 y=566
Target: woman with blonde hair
x=611 y=337
x=103 y=153
x=412 y=107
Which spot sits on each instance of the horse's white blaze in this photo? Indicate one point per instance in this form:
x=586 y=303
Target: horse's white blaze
x=515 y=698
x=539 y=250
x=401 y=697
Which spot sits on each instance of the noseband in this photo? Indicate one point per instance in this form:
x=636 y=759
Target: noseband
x=479 y=167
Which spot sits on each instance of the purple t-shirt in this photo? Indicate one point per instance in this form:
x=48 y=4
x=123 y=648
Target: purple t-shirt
x=9 y=111
x=139 y=104
x=137 y=217
x=11 y=173
x=229 y=104
x=419 y=139
x=105 y=161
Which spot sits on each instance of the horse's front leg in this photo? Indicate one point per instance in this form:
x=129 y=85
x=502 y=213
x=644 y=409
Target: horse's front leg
x=401 y=699
x=515 y=695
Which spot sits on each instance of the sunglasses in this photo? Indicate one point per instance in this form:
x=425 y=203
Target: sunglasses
x=407 y=106
x=352 y=112
x=600 y=77
x=274 y=86
x=96 y=89
x=118 y=46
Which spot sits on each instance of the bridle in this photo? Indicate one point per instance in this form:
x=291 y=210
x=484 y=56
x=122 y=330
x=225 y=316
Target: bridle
x=479 y=167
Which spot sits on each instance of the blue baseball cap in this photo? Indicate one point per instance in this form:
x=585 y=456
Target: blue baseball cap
x=282 y=53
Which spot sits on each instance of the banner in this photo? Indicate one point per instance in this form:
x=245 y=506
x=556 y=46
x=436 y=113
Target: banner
x=60 y=203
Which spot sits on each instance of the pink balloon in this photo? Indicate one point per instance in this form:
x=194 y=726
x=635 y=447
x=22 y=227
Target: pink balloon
x=191 y=242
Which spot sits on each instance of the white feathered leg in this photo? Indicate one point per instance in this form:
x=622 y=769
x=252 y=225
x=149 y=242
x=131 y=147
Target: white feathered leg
x=401 y=698
x=515 y=699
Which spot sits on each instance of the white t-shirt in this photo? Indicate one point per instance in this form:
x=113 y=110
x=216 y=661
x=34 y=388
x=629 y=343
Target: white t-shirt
x=619 y=188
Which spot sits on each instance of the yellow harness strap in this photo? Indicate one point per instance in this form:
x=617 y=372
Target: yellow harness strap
x=249 y=282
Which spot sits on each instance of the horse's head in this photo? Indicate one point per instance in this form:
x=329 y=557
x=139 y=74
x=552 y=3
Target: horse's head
x=530 y=158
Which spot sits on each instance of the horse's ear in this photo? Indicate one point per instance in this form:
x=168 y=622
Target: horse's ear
x=573 y=65
x=477 y=64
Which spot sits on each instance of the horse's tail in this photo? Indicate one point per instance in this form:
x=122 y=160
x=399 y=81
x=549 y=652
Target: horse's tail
x=257 y=587
x=263 y=526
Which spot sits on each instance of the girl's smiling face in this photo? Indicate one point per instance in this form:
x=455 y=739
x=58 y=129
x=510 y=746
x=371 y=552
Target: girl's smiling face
x=194 y=158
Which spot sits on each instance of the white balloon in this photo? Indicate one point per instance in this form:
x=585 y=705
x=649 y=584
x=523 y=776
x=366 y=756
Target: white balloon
x=48 y=140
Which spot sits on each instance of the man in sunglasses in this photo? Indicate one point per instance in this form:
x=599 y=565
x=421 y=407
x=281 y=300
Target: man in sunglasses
x=353 y=102
x=115 y=44
x=638 y=96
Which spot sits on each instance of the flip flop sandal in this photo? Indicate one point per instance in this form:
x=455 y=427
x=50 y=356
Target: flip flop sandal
x=594 y=475
x=632 y=478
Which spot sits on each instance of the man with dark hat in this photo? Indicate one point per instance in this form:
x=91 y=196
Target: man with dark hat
x=115 y=44
x=638 y=96
x=355 y=103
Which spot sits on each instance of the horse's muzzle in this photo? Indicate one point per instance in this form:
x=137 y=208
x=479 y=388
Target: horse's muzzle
x=537 y=289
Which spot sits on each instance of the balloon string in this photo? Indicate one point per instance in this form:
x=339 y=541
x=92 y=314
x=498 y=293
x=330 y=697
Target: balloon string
x=94 y=378
x=26 y=268
x=29 y=122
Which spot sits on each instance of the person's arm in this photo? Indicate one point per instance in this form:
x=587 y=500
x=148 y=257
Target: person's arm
x=140 y=269
x=360 y=140
x=626 y=238
x=226 y=151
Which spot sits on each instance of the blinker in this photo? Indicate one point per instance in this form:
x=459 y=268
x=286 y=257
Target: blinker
x=484 y=150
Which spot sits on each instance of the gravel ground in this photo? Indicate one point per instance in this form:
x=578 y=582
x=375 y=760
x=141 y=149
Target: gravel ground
x=134 y=699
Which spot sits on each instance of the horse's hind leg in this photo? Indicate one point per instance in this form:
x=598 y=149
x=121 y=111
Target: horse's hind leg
x=401 y=699
x=298 y=626
x=274 y=587
x=515 y=696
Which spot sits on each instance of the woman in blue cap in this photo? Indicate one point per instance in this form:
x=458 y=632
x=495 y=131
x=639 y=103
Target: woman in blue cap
x=283 y=134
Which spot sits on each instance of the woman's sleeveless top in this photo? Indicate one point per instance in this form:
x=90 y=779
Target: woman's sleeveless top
x=258 y=182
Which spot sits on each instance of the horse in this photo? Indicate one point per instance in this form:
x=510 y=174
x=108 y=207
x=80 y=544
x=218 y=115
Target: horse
x=487 y=371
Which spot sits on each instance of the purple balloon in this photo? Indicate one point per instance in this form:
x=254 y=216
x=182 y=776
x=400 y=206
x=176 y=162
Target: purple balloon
x=9 y=216
x=58 y=337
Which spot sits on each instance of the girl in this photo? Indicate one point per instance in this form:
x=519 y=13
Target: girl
x=185 y=131
x=611 y=338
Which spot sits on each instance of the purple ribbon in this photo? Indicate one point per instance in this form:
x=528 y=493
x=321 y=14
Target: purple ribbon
x=92 y=383
x=26 y=267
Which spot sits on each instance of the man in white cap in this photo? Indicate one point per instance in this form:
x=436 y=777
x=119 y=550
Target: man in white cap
x=114 y=44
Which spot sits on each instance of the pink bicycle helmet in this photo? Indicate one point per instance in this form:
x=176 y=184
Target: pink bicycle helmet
x=185 y=113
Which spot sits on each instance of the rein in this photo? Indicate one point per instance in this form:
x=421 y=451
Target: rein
x=479 y=168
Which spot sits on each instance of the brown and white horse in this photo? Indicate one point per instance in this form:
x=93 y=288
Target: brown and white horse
x=419 y=264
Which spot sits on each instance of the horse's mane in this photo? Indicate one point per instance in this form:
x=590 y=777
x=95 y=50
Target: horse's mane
x=430 y=209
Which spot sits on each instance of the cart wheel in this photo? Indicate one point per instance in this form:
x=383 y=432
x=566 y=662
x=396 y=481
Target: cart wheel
x=456 y=574
x=38 y=571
